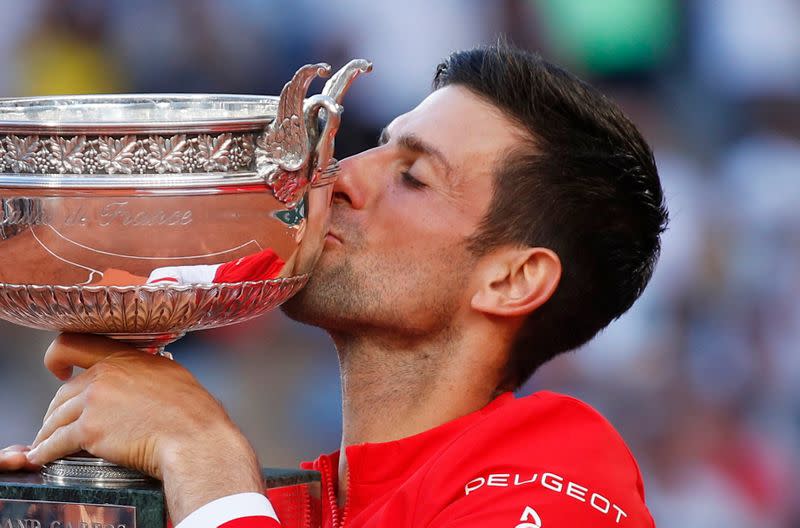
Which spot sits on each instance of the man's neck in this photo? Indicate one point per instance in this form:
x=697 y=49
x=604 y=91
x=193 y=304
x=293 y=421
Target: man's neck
x=391 y=392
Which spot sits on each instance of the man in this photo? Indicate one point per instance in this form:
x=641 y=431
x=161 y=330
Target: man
x=506 y=219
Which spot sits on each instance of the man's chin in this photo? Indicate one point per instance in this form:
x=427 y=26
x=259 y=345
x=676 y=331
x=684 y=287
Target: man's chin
x=314 y=304
x=332 y=298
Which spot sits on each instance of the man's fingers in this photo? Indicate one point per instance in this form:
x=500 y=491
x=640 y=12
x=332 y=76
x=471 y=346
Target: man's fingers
x=79 y=350
x=68 y=391
x=62 y=415
x=15 y=461
x=16 y=448
x=63 y=442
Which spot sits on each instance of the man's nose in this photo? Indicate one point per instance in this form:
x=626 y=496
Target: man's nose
x=357 y=184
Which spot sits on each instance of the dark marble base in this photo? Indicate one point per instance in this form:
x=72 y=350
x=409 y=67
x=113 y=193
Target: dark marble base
x=26 y=501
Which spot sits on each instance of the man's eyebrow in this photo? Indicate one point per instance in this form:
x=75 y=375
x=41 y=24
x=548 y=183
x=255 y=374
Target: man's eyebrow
x=415 y=144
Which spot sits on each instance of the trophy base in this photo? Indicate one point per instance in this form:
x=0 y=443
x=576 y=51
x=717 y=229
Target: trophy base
x=91 y=471
x=30 y=500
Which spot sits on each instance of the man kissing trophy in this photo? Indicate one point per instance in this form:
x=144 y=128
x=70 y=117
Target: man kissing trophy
x=142 y=217
x=504 y=220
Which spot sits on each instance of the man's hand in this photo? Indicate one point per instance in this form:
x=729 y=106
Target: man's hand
x=13 y=458
x=147 y=413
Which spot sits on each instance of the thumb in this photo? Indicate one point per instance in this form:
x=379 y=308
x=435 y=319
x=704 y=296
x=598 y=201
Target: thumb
x=79 y=350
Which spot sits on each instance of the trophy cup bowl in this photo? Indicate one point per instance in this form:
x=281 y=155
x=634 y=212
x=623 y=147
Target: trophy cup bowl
x=142 y=217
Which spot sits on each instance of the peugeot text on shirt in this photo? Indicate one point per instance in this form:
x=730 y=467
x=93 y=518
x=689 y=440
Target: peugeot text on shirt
x=552 y=482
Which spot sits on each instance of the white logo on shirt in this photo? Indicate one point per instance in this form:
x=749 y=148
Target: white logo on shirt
x=530 y=515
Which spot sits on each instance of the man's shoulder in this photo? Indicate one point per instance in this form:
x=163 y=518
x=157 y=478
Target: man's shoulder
x=552 y=450
x=562 y=409
x=545 y=423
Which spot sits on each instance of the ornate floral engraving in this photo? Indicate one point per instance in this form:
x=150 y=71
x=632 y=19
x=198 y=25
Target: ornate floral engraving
x=127 y=154
x=115 y=155
x=166 y=153
x=212 y=152
x=66 y=155
x=241 y=154
x=21 y=152
x=140 y=154
x=90 y=158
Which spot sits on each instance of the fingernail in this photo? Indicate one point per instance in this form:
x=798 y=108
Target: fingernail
x=31 y=455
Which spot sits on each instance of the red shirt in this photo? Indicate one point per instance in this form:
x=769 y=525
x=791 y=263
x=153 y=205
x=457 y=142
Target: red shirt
x=542 y=461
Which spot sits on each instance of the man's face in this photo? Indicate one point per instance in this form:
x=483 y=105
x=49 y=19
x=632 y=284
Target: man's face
x=396 y=258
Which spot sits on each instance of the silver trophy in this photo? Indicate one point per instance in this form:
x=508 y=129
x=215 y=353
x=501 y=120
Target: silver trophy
x=143 y=217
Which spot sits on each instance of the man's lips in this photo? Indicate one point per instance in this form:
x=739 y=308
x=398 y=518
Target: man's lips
x=332 y=237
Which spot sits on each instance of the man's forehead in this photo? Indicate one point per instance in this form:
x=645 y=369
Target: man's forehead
x=459 y=123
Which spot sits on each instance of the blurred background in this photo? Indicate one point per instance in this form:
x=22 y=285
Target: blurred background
x=701 y=377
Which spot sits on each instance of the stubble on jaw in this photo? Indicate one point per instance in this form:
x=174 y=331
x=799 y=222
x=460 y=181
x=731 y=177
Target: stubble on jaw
x=331 y=294
x=383 y=360
x=394 y=327
x=360 y=295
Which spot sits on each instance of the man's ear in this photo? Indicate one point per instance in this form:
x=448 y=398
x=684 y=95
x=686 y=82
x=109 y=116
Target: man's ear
x=517 y=281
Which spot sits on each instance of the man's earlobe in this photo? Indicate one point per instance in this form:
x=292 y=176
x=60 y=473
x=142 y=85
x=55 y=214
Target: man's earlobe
x=518 y=282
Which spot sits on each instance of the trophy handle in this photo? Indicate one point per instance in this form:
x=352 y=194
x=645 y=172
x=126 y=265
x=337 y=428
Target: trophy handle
x=289 y=142
x=285 y=144
x=324 y=111
x=283 y=150
x=340 y=82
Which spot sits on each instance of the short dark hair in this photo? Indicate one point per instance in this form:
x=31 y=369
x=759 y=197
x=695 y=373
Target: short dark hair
x=584 y=184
